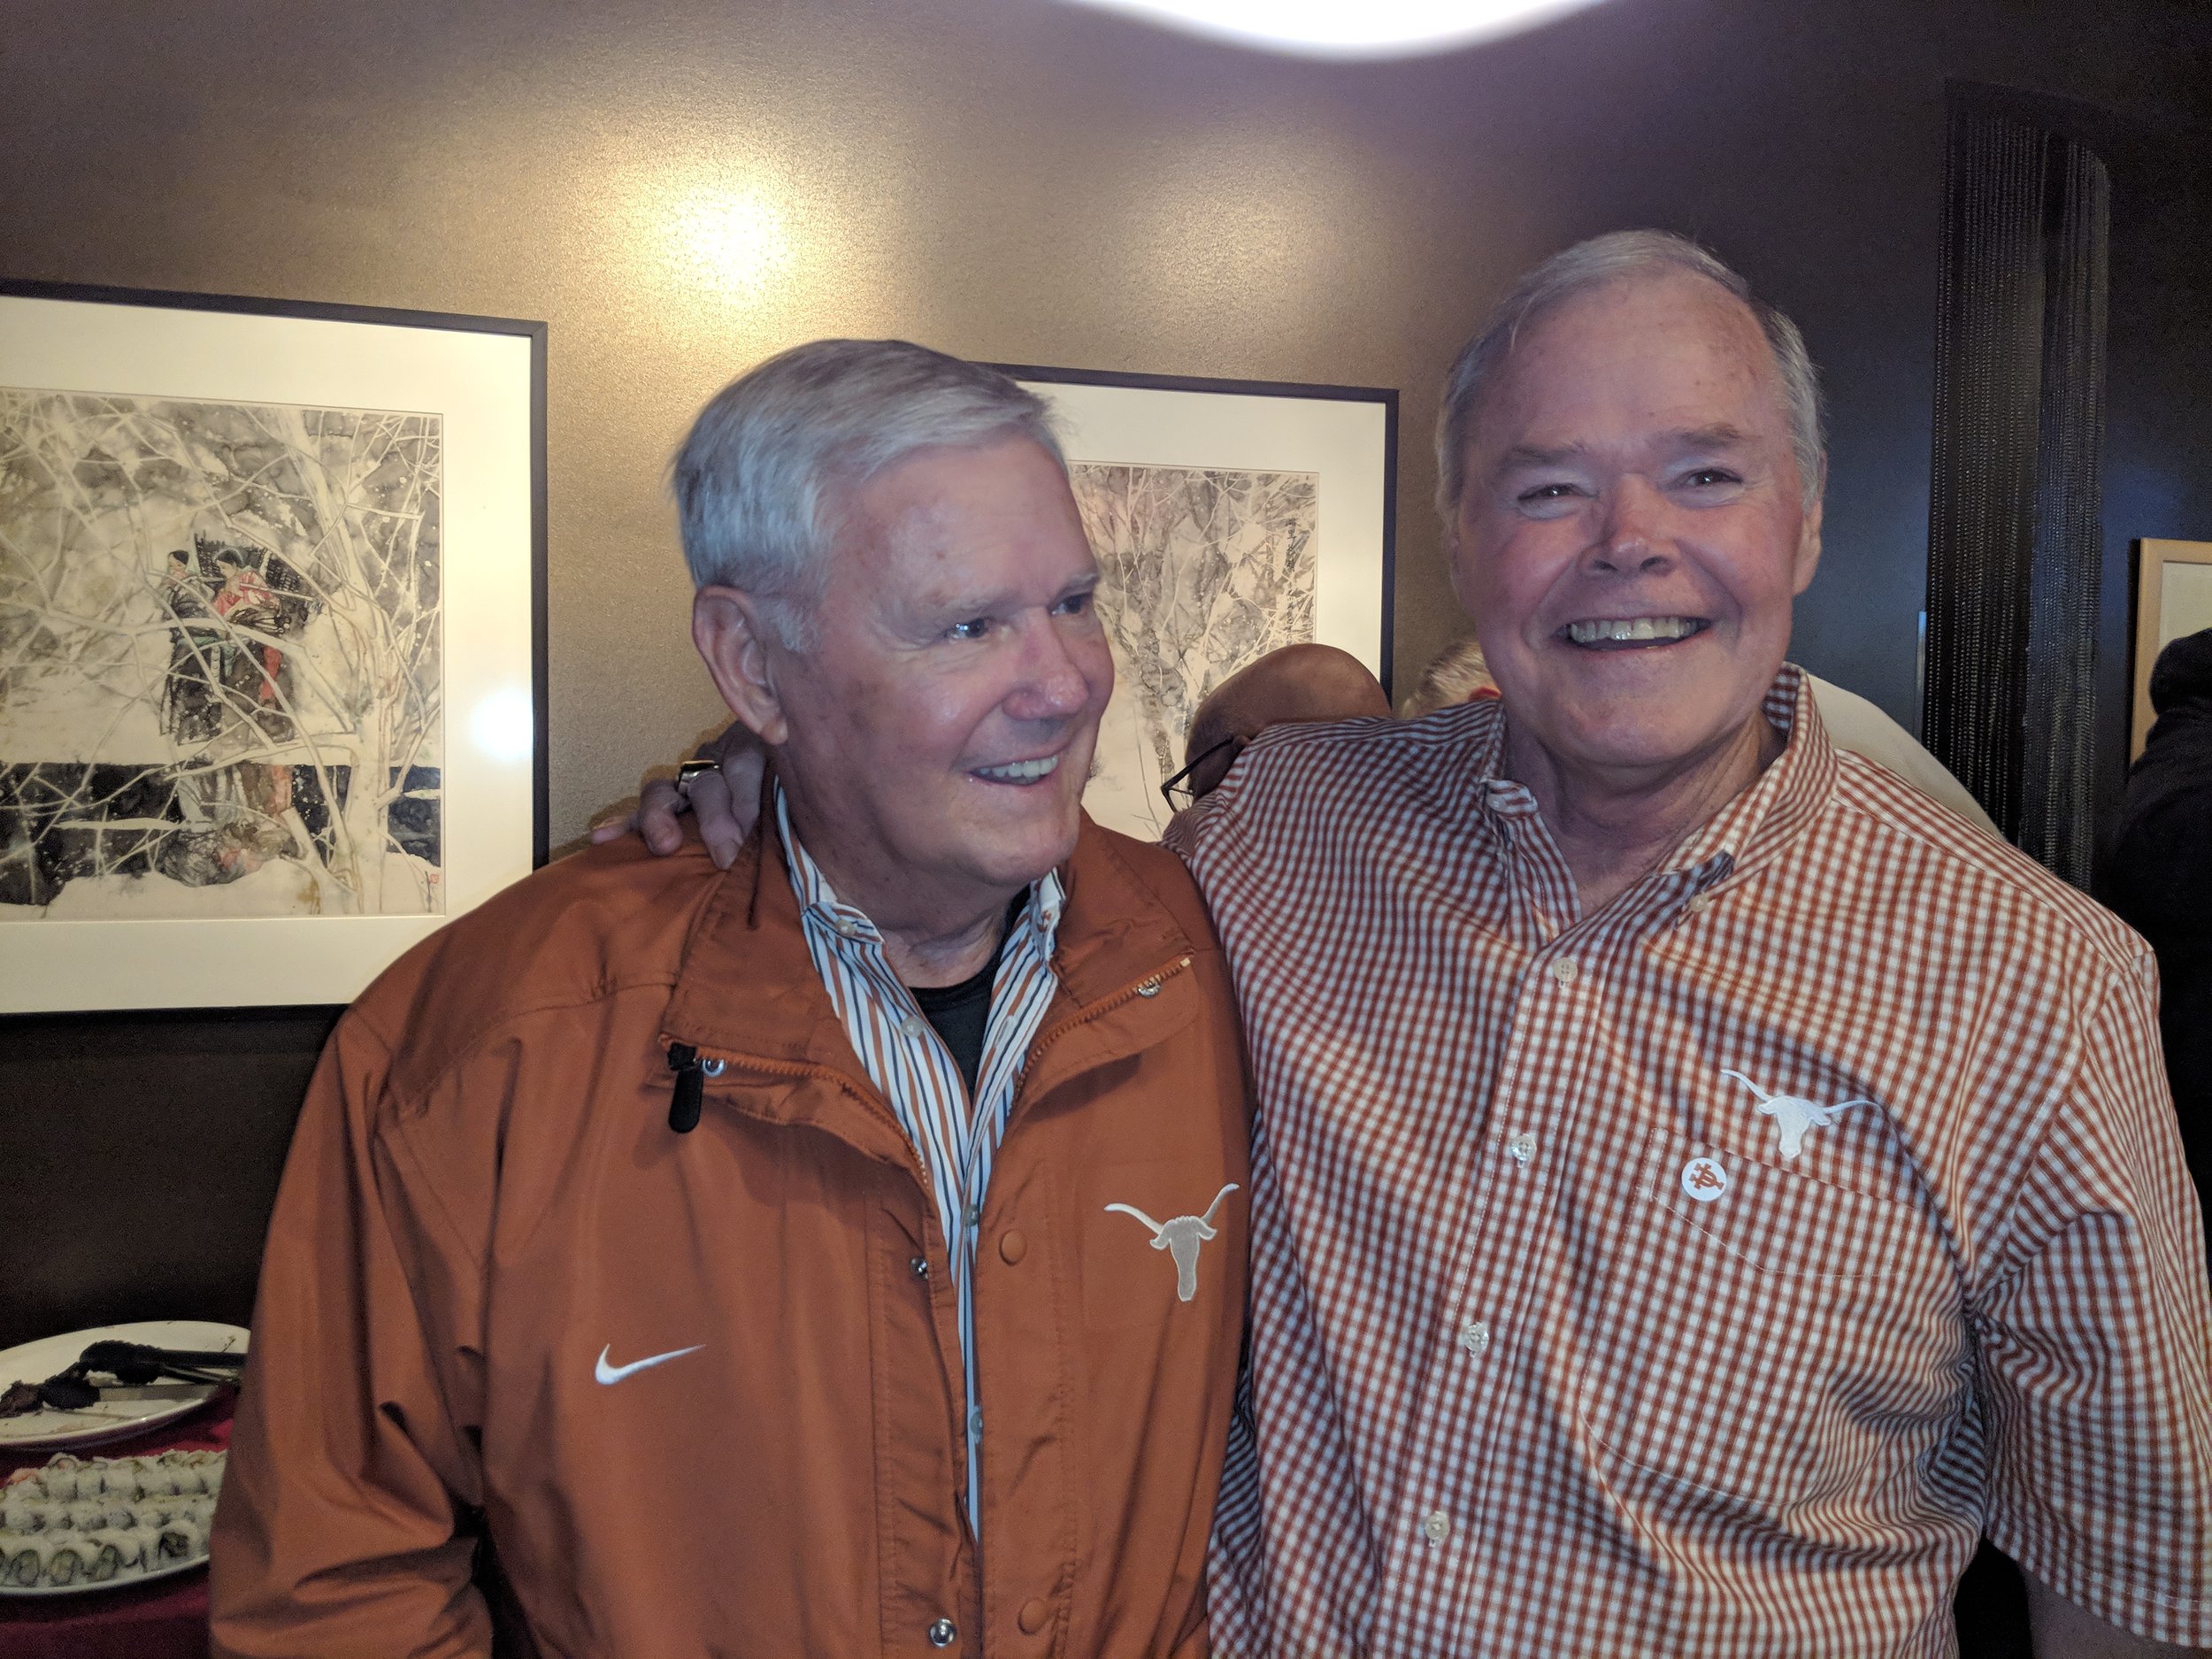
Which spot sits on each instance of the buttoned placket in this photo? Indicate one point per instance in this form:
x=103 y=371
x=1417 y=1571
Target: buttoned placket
x=1512 y=1195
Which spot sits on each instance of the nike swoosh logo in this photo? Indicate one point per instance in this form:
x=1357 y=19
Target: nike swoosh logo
x=607 y=1373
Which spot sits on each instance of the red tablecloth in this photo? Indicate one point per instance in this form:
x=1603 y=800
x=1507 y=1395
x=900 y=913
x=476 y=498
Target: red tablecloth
x=167 y=1619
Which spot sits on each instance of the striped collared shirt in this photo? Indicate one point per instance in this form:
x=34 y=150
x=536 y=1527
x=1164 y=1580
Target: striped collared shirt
x=1706 y=1273
x=955 y=1137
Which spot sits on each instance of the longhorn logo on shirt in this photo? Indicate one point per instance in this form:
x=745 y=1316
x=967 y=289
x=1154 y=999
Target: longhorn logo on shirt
x=1180 y=1238
x=1793 y=1114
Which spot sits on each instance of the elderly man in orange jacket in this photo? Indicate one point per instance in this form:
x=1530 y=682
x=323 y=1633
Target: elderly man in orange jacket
x=841 y=1255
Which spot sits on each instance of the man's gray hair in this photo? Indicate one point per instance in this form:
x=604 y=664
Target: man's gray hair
x=1591 y=265
x=758 y=479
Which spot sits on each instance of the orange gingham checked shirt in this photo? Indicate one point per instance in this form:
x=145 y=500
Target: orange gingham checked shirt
x=1555 y=1350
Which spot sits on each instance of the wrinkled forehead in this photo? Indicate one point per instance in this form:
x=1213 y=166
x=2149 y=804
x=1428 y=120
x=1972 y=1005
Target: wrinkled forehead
x=1672 y=351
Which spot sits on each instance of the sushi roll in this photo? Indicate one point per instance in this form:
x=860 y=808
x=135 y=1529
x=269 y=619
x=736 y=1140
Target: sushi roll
x=20 y=1562
x=141 y=1550
x=119 y=1477
x=107 y=1555
x=74 y=1557
x=182 y=1539
x=161 y=1479
x=129 y=1544
x=20 y=1515
x=58 y=1479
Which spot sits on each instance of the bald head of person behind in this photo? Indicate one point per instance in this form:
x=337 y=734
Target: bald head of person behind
x=1294 y=685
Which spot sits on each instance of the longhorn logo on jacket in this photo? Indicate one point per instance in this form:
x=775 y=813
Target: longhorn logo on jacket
x=1180 y=1238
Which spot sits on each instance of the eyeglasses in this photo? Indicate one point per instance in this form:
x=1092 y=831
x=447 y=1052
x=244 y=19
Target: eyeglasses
x=1177 y=790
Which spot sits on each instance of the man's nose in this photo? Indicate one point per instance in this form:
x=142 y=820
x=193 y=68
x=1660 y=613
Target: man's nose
x=1051 y=684
x=1631 y=537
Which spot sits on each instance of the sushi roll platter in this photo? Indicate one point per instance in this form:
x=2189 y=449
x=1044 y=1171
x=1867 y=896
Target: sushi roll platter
x=80 y=1523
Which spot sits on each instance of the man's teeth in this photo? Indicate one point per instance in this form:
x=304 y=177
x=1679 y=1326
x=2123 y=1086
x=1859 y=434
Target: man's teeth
x=1615 y=629
x=1020 y=772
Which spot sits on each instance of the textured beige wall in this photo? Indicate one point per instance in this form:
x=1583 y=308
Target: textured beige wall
x=680 y=188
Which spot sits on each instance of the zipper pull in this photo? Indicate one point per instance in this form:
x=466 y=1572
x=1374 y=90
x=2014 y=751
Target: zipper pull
x=690 y=1097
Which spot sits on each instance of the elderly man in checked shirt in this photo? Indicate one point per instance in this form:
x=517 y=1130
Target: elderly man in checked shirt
x=1701 y=1186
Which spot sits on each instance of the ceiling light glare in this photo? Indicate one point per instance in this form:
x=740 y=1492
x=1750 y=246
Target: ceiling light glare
x=1346 y=28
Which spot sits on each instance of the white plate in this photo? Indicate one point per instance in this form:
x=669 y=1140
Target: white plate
x=105 y=1420
x=121 y=1581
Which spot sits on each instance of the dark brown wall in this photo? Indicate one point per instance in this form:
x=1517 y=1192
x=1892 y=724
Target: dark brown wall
x=1006 y=179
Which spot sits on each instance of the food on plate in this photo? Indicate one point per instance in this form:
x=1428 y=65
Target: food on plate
x=83 y=1521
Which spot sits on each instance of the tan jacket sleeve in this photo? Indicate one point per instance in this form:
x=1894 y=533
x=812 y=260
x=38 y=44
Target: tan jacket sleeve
x=341 y=1528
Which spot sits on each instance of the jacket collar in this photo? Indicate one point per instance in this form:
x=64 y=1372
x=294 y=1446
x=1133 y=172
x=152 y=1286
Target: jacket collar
x=747 y=990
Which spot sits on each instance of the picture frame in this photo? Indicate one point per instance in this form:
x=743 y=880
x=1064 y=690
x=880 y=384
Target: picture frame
x=2173 y=596
x=273 y=593
x=1229 y=517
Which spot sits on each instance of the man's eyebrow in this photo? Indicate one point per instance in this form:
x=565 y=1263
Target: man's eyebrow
x=1720 y=435
x=1528 y=455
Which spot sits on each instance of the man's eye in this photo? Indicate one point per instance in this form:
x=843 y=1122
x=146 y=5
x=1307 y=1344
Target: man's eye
x=973 y=628
x=1074 y=604
x=1706 y=477
x=1546 y=492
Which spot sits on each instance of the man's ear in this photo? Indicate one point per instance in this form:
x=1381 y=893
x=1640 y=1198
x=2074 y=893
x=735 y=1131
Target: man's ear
x=1456 y=564
x=741 y=648
x=1808 y=548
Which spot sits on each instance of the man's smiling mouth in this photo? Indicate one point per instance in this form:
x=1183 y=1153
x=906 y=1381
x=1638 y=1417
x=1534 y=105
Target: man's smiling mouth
x=1021 y=771
x=1628 y=633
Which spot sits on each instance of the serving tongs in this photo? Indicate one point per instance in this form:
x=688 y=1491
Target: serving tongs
x=133 y=1365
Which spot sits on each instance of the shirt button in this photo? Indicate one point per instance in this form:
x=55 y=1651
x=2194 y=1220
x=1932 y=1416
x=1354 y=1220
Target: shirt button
x=943 y=1633
x=1033 y=1616
x=846 y=926
x=1564 y=969
x=975 y=1424
x=1474 y=1336
x=1698 y=901
x=912 y=1026
x=1437 y=1527
x=1522 y=1148
x=1013 y=1246
x=920 y=1266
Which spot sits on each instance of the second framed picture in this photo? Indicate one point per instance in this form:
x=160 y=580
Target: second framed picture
x=1231 y=517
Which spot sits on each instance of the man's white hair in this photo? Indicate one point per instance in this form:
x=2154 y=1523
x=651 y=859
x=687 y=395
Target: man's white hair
x=1593 y=264
x=759 y=477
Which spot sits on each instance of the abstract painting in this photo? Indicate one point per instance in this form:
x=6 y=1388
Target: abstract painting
x=220 y=687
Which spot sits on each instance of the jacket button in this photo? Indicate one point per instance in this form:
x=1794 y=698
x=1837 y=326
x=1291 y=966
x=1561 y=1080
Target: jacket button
x=943 y=1633
x=1032 y=1616
x=920 y=1264
x=1013 y=1246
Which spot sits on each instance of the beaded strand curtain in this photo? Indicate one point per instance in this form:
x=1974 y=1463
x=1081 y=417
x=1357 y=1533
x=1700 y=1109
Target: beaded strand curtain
x=2016 y=522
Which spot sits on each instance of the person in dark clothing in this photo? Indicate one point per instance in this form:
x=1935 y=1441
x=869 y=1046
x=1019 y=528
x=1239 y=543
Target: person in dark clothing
x=2160 y=879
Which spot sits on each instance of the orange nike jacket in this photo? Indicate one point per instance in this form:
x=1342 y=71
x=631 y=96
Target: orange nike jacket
x=486 y=1221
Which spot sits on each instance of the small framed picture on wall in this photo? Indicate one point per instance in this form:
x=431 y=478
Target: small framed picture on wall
x=2173 y=596
x=1229 y=517
x=271 y=639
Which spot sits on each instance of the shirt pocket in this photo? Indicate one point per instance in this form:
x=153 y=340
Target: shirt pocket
x=1777 y=1341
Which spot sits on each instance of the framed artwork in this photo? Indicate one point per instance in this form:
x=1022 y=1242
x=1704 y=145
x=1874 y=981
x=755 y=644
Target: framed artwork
x=2173 y=596
x=272 y=641
x=1231 y=517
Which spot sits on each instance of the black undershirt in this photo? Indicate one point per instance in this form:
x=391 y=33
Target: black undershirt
x=962 y=1012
